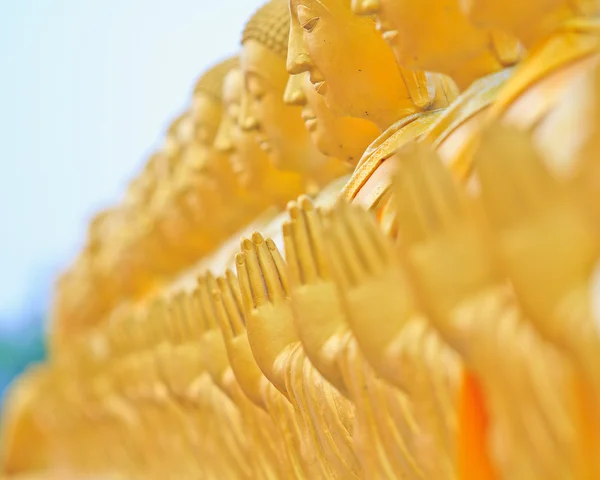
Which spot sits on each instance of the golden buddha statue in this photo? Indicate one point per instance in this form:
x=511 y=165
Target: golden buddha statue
x=249 y=162
x=277 y=425
x=549 y=234
x=324 y=417
x=253 y=446
x=76 y=308
x=352 y=67
x=199 y=405
x=253 y=169
x=342 y=138
x=186 y=189
x=278 y=126
x=478 y=60
x=386 y=434
x=201 y=156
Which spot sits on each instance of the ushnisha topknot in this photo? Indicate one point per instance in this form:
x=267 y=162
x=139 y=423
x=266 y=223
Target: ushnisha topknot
x=211 y=82
x=270 y=26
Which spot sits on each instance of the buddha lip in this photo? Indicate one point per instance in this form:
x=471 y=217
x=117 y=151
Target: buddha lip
x=308 y=116
x=389 y=35
x=310 y=124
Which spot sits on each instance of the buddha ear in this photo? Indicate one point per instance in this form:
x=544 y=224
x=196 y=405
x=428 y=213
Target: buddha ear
x=420 y=89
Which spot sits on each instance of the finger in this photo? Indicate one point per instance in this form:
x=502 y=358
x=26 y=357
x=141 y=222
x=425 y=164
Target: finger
x=514 y=181
x=280 y=265
x=178 y=317
x=231 y=308
x=307 y=265
x=200 y=321
x=314 y=224
x=357 y=223
x=347 y=254
x=269 y=269
x=163 y=322
x=335 y=262
x=380 y=242
x=255 y=274
x=196 y=320
x=207 y=282
x=410 y=212
x=244 y=281
x=222 y=317
x=445 y=193
x=187 y=315
x=291 y=255
x=234 y=286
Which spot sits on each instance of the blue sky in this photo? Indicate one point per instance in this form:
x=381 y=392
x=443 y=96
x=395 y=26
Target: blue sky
x=87 y=89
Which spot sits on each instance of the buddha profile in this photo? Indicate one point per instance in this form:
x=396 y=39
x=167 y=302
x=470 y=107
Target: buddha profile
x=249 y=162
x=351 y=66
x=278 y=126
x=341 y=137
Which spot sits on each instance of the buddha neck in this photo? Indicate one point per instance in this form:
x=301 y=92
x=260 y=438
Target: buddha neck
x=532 y=34
x=475 y=68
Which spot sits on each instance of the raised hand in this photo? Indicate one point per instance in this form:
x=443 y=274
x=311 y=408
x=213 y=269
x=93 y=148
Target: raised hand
x=376 y=295
x=212 y=345
x=228 y=306
x=444 y=243
x=546 y=240
x=318 y=311
x=267 y=309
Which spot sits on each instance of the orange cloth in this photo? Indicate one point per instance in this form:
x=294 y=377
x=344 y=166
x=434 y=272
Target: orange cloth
x=474 y=461
x=589 y=436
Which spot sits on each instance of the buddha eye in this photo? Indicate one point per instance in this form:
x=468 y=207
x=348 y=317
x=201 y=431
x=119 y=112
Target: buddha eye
x=311 y=24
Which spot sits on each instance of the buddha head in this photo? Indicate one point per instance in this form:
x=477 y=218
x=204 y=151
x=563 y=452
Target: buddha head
x=249 y=163
x=436 y=35
x=278 y=127
x=344 y=138
x=529 y=21
x=350 y=64
x=205 y=116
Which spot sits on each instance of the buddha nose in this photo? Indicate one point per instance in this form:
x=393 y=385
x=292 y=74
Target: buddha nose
x=294 y=95
x=223 y=142
x=247 y=121
x=298 y=60
x=365 y=7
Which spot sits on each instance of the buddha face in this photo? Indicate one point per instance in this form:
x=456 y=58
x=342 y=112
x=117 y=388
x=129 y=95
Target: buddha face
x=510 y=15
x=206 y=115
x=248 y=162
x=344 y=138
x=198 y=137
x=277 y=127
x=430 y=35
x=347 y=60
